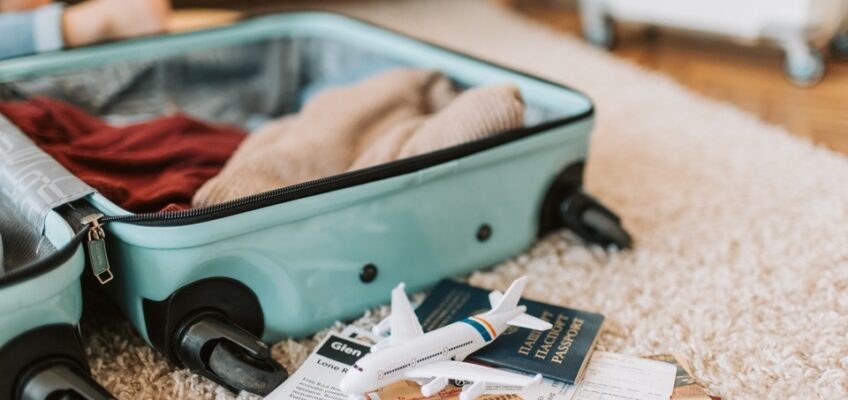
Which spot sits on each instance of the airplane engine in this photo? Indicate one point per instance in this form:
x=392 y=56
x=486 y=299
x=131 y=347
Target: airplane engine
x=381 y=345
x=383 y=327
x=472 y=392
x=434 y=387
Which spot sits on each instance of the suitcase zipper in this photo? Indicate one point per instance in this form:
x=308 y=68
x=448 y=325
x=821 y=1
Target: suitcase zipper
x=96 y=246
x=185 y=217
x=345 y=180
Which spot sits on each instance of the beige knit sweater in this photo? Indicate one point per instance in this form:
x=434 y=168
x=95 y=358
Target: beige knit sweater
x=392 y=115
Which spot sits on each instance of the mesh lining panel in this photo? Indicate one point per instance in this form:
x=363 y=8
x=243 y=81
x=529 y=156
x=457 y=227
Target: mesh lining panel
x=22 y=243
x=238 y=85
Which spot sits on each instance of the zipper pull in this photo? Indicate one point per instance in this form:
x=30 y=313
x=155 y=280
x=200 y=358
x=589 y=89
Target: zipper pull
x=97 y=249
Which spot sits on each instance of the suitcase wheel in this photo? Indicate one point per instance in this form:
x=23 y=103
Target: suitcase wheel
x=600 y=31
x=839 y=46
x=213 y=346
x=61 y=381
x=47 y=363
x=244 y=372
x=567 y=206
x=593 y=222
x=803 y=65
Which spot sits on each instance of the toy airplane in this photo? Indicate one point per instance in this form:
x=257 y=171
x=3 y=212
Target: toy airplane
x=434 y=358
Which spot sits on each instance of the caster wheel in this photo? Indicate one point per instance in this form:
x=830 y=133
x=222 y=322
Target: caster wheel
x=606 y=227
x=243 y=372
x=602 y=35
x=61 y=381
x=839 y=46
x=211 y=345
x=805 y=71
x=593 y=222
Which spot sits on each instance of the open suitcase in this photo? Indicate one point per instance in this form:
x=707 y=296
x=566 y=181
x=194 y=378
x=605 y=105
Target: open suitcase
x=202 y=285
x=41 y=354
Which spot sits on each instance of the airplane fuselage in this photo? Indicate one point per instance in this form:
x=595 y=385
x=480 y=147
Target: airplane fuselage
x=452 y=342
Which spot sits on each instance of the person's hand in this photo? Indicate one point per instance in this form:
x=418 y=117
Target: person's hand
x=21 y=5
x=98 y=20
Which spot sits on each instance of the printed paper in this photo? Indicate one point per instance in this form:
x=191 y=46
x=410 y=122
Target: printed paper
x=611 y=376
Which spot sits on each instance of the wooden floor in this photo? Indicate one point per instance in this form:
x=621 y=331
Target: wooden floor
x=749 y=77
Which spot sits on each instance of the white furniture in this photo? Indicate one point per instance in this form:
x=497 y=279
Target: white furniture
x=799 y=27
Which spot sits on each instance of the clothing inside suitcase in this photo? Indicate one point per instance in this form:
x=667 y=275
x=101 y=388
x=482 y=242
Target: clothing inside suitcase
x=241 y=85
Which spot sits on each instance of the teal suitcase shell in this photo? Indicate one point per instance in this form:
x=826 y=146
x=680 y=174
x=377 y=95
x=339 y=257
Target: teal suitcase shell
x=41 y=353
x=289 y=262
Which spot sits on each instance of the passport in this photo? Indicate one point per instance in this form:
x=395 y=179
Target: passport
x=560 y=353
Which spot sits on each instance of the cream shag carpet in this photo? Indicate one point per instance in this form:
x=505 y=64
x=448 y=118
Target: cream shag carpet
x=741 y=261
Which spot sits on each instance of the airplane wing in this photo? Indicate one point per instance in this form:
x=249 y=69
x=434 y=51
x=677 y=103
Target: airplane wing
x=404 y=322
x=464 y=371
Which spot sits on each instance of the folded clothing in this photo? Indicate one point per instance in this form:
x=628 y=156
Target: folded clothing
x=145 y=167
x=392 y=115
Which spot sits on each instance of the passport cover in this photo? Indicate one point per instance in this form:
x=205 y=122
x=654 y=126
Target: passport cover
x=560 y=353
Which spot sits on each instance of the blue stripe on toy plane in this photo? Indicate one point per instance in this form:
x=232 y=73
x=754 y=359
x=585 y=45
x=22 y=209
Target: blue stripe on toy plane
x=480 y=328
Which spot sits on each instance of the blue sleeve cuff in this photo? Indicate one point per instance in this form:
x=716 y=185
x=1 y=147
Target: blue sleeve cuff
x=47 y=27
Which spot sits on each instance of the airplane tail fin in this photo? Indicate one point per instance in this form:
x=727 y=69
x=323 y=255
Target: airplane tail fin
x=503 y=302
x=509 y=300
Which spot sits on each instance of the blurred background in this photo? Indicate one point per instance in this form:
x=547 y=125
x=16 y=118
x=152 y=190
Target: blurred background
x=738 y=64
x=748 y=74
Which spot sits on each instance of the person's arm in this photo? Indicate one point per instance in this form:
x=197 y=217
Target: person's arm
x=94 y=21
x=53 y=26
x=29 y=32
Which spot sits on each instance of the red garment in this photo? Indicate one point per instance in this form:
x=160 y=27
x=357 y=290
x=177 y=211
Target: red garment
x=145 y=167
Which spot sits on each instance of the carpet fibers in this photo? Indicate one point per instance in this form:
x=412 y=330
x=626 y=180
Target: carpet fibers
x=741 y=258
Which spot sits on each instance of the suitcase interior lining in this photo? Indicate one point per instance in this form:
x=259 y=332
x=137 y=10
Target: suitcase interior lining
x=242 y=85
